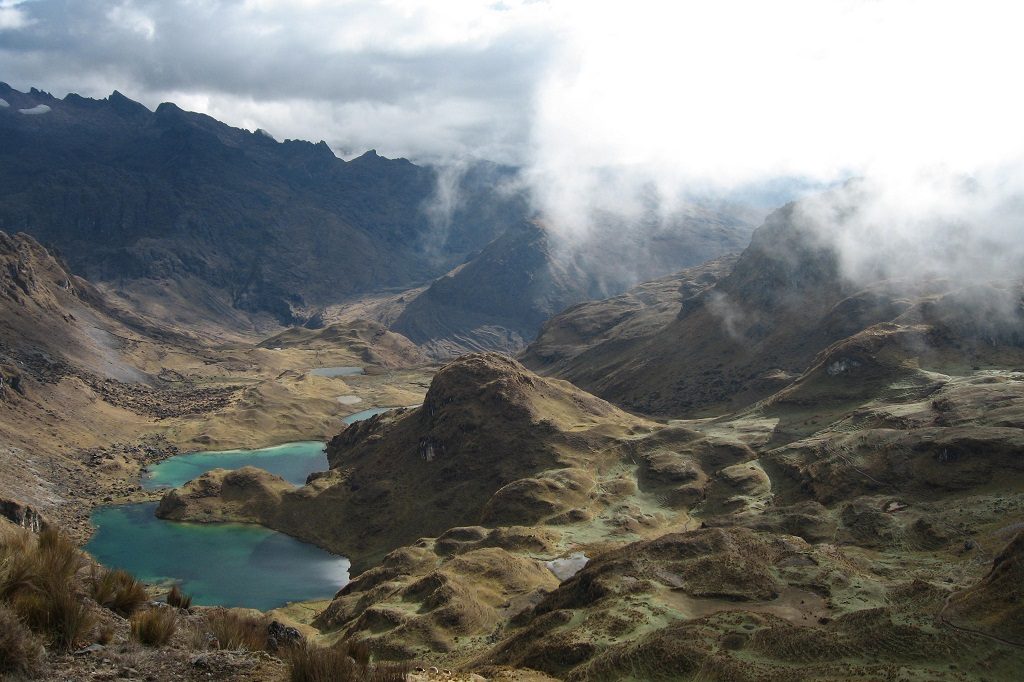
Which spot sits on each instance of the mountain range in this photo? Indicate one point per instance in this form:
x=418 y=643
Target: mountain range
x=182 y=214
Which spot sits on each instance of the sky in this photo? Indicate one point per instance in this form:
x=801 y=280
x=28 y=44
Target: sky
x=730 y=90
x=598 y=102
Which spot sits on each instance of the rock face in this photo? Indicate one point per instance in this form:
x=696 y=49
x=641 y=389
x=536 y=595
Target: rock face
x=23 y=515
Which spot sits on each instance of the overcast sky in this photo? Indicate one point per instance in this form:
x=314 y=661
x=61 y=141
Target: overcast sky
x=730 y=89
x=594 y=99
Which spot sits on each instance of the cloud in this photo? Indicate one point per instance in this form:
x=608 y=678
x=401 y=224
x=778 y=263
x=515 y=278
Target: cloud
x=415 y=79
x=12 y=16
x=933 y=225
x=678 y=94
x=610 y=109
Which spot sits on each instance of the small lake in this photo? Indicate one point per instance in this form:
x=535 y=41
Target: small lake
x=336 y=371
x=366 y=414
x=226 y=564
x=291 y=461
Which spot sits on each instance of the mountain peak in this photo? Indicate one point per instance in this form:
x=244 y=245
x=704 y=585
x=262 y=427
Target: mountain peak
x=125 y=105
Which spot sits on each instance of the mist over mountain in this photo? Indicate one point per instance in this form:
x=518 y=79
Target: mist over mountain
x=169 y=205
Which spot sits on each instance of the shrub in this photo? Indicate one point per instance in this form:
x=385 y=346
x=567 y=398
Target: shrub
x=118 y=591
x=20 y=650
x=154 y=627
x=235 y=630
x=17 y=576
x=179 y=599
x=198 y=637
x=345 y=662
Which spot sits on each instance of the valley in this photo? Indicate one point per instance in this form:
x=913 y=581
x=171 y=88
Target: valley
x=490 y=460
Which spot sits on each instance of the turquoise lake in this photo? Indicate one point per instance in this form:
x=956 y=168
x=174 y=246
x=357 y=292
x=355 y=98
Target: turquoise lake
x=225 y=564
x=292 y=461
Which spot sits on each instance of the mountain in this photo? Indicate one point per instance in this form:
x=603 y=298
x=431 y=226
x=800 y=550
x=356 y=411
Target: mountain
x=588 y=337
x=130 y=196
x=186 y=218
x=500 y=299
x=753 y=331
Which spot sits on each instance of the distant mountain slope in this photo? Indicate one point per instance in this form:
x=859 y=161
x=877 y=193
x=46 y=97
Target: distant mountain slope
x=753 y=331
x=500 y=299
x=591 y=335
x=127 y=194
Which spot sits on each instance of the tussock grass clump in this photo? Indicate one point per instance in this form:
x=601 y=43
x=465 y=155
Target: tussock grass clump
x=38 y=580
x=154 y=627
x=234 y=630
x=21 y=652
x=118 y=591
x=179 y=599
x=344 y=662
x=105 y=635
x=68 y=619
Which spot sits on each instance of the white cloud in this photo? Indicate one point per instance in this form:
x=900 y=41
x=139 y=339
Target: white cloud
x=129 y=17
x=37 y=110
x=736 y=91
x=12 y=16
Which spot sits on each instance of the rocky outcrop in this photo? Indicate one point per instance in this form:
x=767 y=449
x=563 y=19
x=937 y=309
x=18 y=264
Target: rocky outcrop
x=247 y=495
x=23 y=515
